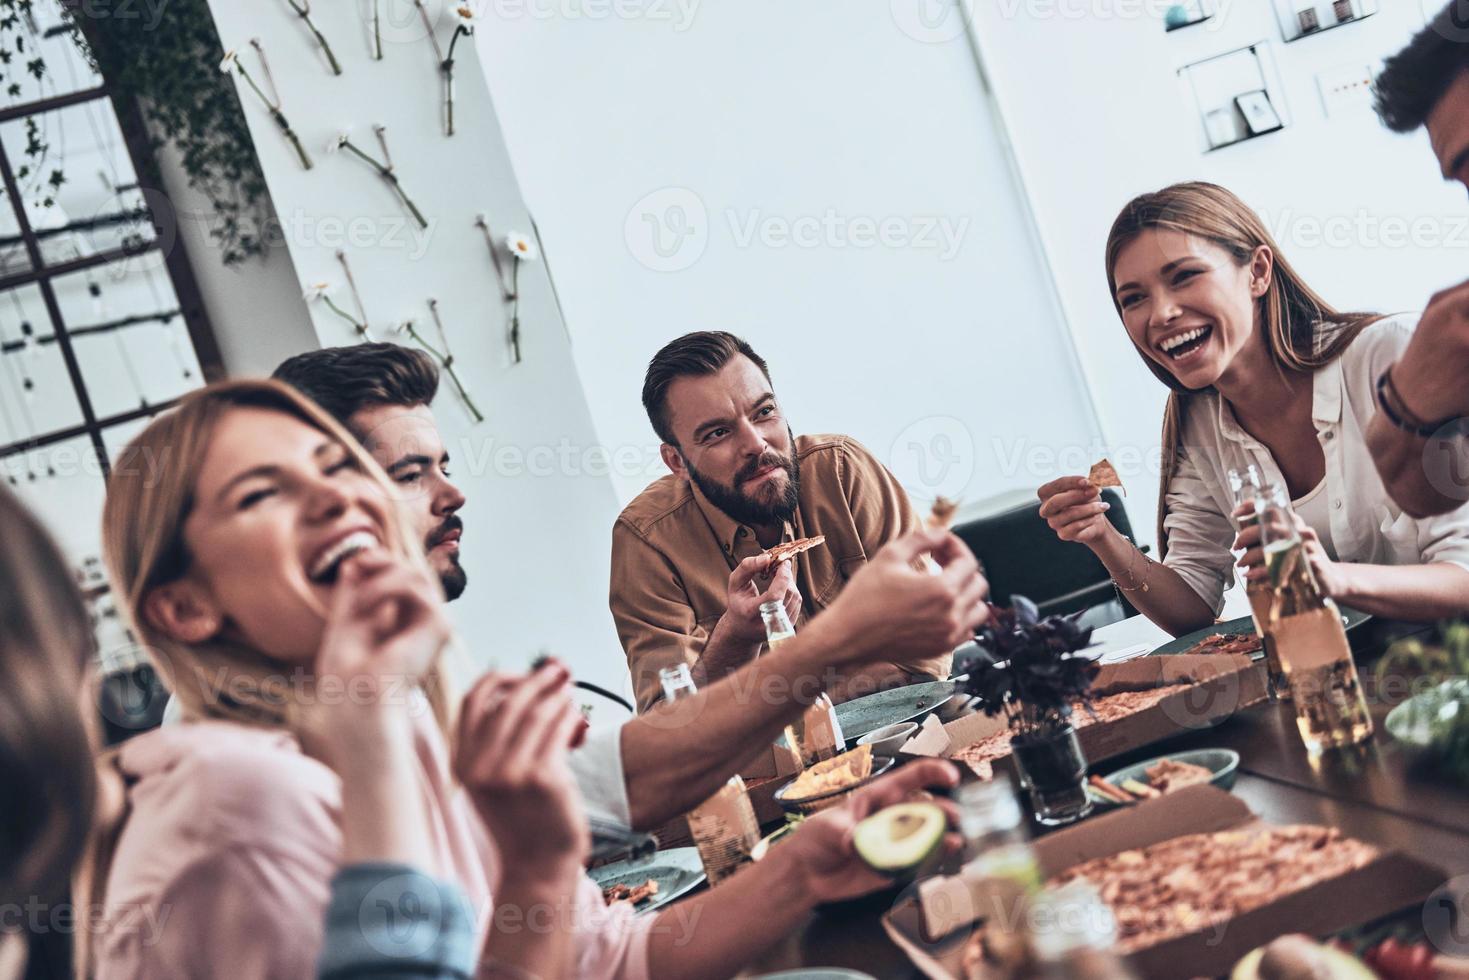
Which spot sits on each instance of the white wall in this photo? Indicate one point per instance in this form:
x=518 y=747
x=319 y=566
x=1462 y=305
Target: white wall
x=536 y=529
x=782 y=136
x=1104 y=118
x=255 y=308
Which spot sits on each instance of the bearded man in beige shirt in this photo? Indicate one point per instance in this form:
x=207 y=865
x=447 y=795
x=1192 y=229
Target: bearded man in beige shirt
x=689 y=573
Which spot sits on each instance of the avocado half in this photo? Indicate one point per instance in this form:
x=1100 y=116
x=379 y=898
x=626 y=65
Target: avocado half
x=897 y=840
x=1299 y=956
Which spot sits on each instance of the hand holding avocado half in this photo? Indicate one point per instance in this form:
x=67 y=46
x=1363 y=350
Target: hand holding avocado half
x=837 y=859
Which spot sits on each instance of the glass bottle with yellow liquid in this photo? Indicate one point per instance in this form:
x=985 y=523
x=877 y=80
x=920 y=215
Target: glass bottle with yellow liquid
x=724 y=827
x=817 y=734
x=1309 y=637
x=1245 y=488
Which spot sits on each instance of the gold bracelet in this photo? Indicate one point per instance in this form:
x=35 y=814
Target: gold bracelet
x=1133 y=575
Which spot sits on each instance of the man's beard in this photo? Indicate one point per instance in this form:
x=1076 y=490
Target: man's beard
x=453 y=579
x=765 y=510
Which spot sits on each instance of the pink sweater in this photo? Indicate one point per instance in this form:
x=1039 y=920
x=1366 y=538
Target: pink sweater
x=225 y=863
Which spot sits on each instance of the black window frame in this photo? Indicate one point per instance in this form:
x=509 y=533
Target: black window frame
x=41 y=274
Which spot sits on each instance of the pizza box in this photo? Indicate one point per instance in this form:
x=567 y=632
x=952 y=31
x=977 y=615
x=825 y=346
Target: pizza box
x=931 y=924
x=1222 y=684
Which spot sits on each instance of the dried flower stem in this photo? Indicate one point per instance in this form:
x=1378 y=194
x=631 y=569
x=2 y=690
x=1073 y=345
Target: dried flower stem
x=515 y=311
x=360 y=327
x=273 y=105
x=448 y=64
x=444 y=357
x=385 y=171
x=303 y=10
x=377 y=30
x=509 y=290
x=359 y=321
x=483 y=223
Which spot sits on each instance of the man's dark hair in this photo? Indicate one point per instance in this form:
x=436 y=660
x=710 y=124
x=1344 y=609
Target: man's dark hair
x=343 y=380
x=692 y=355
x=1416 y=78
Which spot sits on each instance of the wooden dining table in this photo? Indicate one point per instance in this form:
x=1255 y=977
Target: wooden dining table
x=1383 y=792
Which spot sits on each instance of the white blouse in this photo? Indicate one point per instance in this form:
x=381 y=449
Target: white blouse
x=1365 y=525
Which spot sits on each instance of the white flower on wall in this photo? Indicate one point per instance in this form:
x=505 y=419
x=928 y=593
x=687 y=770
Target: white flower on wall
x=519 y=247
x=465 y=20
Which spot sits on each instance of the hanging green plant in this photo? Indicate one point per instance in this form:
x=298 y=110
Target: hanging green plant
x=169 y=63
x=38 y=176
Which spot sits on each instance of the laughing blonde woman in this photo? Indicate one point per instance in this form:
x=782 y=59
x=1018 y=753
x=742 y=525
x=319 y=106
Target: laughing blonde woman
x=260 y=558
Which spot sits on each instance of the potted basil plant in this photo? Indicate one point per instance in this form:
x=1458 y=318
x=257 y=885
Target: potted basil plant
x=1032 y=670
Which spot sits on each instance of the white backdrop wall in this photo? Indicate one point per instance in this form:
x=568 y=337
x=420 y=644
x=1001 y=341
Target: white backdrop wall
x=536 y=525
x=815 y=177
x=1090 y=98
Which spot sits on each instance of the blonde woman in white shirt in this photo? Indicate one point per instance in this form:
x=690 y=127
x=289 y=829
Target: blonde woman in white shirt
x=1263 y=371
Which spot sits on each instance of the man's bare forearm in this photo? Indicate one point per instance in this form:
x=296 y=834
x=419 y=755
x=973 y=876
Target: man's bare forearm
x=723 y=654
x=1420 y=593
x=1399 y=457
x=858 y=682
x=675 y=756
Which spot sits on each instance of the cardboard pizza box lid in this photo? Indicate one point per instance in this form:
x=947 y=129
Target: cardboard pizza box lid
x=928 y=925
x=1222 y=684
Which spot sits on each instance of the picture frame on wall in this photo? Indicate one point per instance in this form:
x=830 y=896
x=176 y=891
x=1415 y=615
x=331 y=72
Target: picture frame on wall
x=1258 y=111
x=1300 y=19
x=1238 y=95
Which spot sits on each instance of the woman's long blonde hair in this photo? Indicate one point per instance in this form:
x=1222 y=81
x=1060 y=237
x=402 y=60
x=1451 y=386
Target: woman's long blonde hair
x=1302 y=331
x=149 y=497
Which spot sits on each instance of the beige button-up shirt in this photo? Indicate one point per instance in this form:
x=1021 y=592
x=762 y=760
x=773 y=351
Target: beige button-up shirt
x=1363 y=523
x=673 y=551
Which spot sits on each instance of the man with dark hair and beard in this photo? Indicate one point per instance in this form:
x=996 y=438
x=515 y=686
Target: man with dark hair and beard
x=689 y=573
x=661 y=763
x=382 y=394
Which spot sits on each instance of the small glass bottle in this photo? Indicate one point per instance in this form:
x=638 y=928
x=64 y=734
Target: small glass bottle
x=1072 y=932
x=724 y=827
x=997 y=850
x=817 y=734
x=1246 y=487
x=1309 y=637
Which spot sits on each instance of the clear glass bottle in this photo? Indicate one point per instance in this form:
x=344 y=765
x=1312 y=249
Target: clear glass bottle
x=1246 y=487
x=996 y=841
x=817 y=734
x=1309 y=638
x=997 y=850
x=724 y=827
x=1072 y=932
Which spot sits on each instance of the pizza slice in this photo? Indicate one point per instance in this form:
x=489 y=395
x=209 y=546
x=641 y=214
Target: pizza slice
x=1104 y=474
x=790 y=549
x=941 y=514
